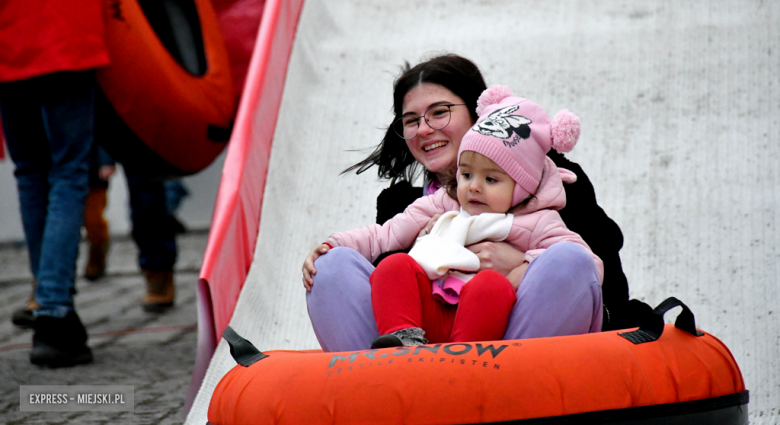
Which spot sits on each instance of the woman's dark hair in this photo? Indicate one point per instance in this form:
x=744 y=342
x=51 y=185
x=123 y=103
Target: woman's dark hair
x=456 y=73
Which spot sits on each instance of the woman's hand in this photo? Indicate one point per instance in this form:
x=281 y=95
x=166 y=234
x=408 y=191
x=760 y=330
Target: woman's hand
x=308 y=265
x=499 y=256
x=106 y=171
x=516 y=276
x=428 y=227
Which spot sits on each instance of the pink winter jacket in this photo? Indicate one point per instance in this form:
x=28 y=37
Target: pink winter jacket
x=536 y=226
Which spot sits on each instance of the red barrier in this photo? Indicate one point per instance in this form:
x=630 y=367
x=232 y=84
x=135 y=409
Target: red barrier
x=236 y=218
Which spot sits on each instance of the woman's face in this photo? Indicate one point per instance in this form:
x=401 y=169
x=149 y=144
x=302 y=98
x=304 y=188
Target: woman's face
x=436 y=150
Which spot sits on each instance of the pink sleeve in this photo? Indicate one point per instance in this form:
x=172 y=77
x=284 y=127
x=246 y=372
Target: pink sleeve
x=397 y=233
x=549 y=230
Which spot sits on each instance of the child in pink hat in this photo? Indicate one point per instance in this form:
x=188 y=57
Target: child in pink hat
x=506 y=189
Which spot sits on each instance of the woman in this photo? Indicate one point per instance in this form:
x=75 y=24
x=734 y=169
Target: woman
x=339 y=302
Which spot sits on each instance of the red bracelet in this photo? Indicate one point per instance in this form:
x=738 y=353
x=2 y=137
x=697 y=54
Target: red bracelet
x=328 y=244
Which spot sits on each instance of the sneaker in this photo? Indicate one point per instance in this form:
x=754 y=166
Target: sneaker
x=403 y=337
x=60 y=342
x=387 y=341
x=160 y=291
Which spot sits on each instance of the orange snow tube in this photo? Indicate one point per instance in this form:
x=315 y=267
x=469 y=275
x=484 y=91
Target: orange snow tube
x=656 y=375
x=168 y=98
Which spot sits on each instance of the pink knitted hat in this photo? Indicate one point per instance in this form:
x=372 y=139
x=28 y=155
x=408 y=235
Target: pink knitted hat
x=516 y=134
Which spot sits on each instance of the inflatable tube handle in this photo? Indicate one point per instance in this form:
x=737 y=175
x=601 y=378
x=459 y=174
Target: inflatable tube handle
x=243 y=352
x=653 y=327
x=219 y=134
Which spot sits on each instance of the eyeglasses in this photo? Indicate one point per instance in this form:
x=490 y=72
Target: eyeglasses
x=437 y=117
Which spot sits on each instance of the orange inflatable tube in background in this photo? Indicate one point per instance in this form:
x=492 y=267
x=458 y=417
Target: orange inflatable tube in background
x=181 y=114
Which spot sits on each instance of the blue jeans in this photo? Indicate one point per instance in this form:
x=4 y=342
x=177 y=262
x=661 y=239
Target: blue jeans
x=48 y=122
x=152 y=230
x=559 y=295
x=175 y=192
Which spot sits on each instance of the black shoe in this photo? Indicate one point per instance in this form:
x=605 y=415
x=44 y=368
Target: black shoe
x=23 y=318
x=387 y=341
x=60 y=342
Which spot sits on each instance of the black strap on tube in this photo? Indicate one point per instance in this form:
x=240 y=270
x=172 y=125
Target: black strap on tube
x=243 y=352
x=653 y=327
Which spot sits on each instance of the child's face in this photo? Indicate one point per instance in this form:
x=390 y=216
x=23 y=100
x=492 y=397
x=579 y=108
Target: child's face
x=483 y=186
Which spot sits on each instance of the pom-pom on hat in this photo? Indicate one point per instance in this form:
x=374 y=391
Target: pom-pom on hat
x=516 y=134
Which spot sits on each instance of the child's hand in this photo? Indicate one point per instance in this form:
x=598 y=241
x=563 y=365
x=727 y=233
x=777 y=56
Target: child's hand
x=308 y=265
x=428 y=227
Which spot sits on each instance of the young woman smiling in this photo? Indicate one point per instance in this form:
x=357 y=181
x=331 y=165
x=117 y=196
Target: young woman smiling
x=435 y=104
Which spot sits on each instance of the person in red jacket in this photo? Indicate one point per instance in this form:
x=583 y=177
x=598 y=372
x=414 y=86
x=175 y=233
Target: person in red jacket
x=48 y=52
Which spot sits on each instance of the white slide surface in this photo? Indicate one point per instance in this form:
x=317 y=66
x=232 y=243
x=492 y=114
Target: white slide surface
x=680 y=110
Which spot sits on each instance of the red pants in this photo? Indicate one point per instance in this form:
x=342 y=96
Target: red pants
x=401 y=296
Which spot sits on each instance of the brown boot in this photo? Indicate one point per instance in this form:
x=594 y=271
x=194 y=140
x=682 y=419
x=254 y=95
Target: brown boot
x=96 y=265
x=97 y=232
x=24 y=317
x=159 y=291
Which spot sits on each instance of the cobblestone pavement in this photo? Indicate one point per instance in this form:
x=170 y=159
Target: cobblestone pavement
x=155 y=353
